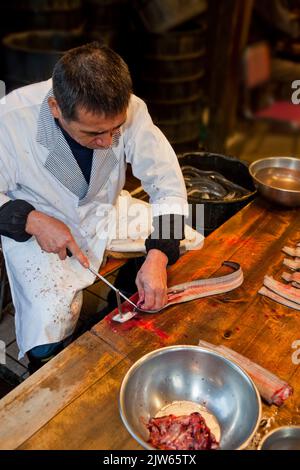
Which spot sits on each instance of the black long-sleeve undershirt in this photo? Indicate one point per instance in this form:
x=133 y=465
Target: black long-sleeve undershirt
x=166 y=236
x=13 y=218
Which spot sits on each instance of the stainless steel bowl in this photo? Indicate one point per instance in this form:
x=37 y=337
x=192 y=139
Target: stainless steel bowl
x=191 y=374
x=283 y=438
x=278 y=179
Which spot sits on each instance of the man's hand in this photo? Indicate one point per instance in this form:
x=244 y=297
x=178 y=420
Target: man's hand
x=53 y=236
x=151 y=281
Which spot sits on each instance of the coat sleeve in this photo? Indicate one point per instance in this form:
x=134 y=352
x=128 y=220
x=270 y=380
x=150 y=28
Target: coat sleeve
x=154 y=161
x=8 y=167
x=13 y=213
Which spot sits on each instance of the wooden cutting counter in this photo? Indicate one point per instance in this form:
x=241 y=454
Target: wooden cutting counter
x=72 y=402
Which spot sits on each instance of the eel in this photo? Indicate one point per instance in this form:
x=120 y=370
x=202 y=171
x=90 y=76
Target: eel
x=293 y=278
x=278 y=298
x=204 y=287
x=210 y=185
x=205 y=185
x=285 y=294
x=293 y=264
x=288 y=292
x=193 y=290
x=192 y=172
x=294 y=252
x=272 y=388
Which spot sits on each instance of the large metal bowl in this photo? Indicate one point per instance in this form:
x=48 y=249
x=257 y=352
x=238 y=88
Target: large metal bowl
x=278 y=179
x=191 y=374
x=283 y=438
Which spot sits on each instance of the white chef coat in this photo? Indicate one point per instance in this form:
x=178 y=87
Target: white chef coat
x=37 y=165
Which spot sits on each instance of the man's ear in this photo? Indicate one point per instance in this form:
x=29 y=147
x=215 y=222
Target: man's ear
x=54 y=108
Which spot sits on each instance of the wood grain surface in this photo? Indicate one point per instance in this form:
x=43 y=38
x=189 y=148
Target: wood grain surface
x=84 y=380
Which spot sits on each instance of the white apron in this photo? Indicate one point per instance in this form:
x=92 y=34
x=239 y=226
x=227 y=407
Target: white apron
x=37 y=165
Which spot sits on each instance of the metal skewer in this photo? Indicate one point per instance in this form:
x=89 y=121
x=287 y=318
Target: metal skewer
x=121 y=317
x=119 y=303
x=118 y=292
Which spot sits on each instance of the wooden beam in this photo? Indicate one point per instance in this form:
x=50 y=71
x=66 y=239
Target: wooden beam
x=229 y=24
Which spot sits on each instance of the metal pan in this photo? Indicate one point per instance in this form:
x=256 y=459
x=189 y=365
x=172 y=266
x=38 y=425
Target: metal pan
x=283 y=438
x=278 y=179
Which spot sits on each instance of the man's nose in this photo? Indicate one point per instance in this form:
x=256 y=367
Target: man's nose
x=105 y=141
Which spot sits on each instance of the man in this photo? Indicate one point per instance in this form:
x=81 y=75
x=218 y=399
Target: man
x=64 y=145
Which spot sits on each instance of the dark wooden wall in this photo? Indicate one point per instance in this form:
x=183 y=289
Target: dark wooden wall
x=228 y=28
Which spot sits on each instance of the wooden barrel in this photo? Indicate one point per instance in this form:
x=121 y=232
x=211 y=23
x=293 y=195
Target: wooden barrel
x=23 y=15
x=170 y=76
x=181 y=131
x=187 y=39
x=172 y=89
x=106 y=19
x=176 y=108
x=172 y=66
x=30 y=56
x=171 y=110
x=160 y=16
x=104 y=13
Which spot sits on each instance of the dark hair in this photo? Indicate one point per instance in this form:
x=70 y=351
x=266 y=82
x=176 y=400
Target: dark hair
x=93 y=77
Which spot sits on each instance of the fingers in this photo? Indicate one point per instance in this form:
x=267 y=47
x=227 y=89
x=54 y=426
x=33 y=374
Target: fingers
x=75 y=250
x=62 y=254
x=152 y=286
x=55 y=237
x=149 y=301
x=141 y=296
x=140 y=291
x=155 y=299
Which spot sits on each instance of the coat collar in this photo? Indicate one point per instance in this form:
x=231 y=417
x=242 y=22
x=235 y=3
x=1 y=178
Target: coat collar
x=63 y=165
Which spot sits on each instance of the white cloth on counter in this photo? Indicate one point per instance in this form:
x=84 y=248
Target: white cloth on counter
x=133 y=224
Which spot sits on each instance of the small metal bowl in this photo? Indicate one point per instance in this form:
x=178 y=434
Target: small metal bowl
x=283 y=438
x=193 y=376
x=278 y=179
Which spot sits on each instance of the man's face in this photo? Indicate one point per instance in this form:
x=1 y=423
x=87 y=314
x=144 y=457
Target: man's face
x=94 y=131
